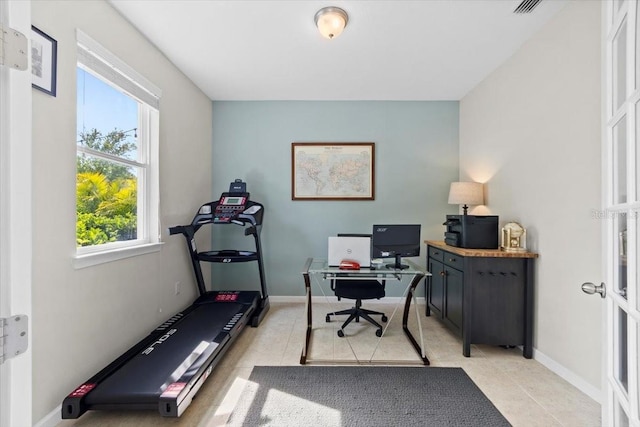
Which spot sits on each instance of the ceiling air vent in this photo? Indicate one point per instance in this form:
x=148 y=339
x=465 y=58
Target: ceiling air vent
x=526 y=6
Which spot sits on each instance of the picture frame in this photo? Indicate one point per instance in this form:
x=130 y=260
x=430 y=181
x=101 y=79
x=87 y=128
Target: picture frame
x=44 y=58
x=332 y=171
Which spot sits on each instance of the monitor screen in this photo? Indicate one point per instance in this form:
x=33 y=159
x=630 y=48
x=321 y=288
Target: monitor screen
x=396 y=241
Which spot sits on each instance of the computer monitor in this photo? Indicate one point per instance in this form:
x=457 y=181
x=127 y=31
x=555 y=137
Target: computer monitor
x=396 y=241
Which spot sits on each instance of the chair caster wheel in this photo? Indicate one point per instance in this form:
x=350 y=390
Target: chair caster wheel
x=327 y=319
x=340 y=333
x=379 y=333
x=384 y=318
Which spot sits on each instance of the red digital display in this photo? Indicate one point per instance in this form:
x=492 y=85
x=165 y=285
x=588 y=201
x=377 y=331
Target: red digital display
x=227 y=296
x=82 y=390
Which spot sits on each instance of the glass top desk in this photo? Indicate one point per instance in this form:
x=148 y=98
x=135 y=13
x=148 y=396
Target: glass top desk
x=318 y=269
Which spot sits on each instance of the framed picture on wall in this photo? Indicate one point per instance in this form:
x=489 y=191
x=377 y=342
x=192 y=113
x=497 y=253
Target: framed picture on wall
x=332 y=171
x=44 y=56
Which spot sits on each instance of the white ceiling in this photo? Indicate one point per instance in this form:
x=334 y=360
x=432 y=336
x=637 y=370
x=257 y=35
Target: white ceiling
x=390 y=50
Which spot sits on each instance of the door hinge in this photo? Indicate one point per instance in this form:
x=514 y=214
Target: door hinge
x=13 y=48
x=14 y=338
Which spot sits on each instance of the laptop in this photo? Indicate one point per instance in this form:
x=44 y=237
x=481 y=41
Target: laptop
x=352 y=248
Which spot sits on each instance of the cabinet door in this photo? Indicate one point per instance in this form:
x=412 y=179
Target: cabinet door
x=497 y=287
x=435 y=296
x=454 y=284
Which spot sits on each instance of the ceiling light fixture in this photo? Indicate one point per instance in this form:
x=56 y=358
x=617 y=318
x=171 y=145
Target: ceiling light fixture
x=331 y=21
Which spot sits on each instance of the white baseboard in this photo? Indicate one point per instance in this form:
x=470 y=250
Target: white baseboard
x=287 y=299
x=569 y=376
x=332 y=298
x=52 y=419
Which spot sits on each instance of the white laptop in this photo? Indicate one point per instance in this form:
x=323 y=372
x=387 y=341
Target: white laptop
x=349 y=248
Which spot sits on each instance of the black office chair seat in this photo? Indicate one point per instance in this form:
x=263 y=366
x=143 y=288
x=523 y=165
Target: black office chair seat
x=358 y=290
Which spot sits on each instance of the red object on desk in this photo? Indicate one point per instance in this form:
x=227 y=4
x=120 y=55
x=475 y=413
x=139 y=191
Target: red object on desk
x=349 y=265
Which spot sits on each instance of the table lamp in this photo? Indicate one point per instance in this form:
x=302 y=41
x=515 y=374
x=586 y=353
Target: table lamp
x=466 y=193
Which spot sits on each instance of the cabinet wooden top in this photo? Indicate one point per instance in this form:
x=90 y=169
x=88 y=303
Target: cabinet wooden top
x=491 y=253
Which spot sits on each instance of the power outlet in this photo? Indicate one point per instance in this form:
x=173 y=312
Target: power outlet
x=178 y=288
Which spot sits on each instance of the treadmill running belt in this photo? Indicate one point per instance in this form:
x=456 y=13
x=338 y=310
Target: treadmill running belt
x=140 y=382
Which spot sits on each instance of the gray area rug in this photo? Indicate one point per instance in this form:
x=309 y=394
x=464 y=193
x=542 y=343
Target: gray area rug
x=363 y=396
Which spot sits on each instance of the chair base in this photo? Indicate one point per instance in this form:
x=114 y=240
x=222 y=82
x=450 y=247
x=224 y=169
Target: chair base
x=355 y=313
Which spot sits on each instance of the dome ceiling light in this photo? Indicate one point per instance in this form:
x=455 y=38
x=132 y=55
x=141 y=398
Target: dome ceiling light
x=331 y=21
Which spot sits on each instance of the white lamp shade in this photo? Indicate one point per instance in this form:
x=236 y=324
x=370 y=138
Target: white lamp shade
x=466 y=193
x=331 y=21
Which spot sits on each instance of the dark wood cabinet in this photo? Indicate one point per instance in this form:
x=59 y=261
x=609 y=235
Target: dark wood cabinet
x=453 y=297
x=435 y=295
x=484 y=296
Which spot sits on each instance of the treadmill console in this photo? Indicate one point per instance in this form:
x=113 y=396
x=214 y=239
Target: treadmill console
x=229 y=206
x=232 y=207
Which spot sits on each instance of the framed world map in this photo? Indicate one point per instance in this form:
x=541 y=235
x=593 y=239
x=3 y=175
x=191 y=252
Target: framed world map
x=332 y=171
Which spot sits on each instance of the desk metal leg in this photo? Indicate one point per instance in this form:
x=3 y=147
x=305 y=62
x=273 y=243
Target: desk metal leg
x=405 y=319
x=305 y=349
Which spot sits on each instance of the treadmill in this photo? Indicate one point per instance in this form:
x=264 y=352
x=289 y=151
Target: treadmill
x=166 y=369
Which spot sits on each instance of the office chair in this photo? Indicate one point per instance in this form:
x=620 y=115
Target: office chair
x=358 y=290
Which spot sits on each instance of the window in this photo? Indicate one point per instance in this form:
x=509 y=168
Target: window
x=117 y=158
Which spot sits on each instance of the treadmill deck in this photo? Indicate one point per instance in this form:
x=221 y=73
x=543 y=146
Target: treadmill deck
x=179 y=352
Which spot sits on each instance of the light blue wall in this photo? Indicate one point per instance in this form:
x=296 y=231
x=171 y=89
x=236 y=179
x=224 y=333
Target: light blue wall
x=416 y=158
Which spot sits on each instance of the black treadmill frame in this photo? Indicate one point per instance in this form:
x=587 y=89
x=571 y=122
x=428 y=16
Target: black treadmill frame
x=253 y=307
x=253 y=224
x=75 y=404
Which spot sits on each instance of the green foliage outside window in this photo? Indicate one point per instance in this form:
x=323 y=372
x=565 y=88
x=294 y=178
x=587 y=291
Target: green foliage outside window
x=106 y=191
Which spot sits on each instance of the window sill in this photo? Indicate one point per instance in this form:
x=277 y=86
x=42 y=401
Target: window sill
x=88 y=260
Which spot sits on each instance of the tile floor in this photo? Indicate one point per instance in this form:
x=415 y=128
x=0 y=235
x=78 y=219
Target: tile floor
x=524 y=391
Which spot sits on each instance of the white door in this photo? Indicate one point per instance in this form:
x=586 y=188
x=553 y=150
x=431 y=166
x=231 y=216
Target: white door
x=3 y=284
x=15 y=218
x=621 y=200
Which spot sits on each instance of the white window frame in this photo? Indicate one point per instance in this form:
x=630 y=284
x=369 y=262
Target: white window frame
x=99 y=62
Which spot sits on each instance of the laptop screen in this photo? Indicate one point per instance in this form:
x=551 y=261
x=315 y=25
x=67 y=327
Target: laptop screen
x=350 y=248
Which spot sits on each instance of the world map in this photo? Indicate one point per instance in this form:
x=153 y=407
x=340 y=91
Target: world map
x=333 y=171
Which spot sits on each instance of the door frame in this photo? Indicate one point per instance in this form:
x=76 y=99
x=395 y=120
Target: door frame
x=621 y=205
x=16 y=219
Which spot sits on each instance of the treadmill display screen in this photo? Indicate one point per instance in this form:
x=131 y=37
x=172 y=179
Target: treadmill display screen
x=233 y=200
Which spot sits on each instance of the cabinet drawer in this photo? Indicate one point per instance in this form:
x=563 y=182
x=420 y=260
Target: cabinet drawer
x=436 y=253
x=453 y=260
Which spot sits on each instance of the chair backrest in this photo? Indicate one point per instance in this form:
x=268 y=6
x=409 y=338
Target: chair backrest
x=359 y=289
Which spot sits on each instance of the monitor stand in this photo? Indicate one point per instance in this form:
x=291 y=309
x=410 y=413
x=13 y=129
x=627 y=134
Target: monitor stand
x=398 y=265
